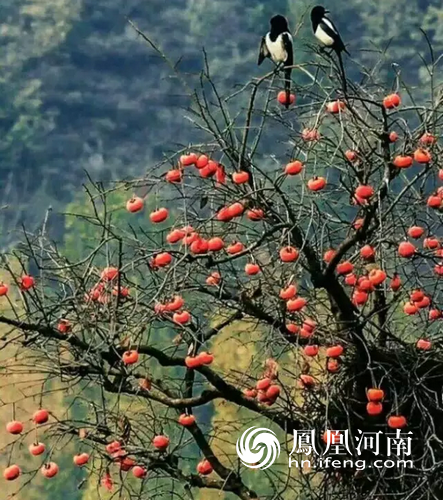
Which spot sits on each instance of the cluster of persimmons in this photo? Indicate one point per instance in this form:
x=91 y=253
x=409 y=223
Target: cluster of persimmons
x=266 y=390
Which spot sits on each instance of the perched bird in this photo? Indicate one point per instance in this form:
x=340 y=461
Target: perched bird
x=277 y=45
x=326 y=32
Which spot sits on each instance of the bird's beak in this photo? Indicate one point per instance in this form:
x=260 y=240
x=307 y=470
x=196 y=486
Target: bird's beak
x=327 y=11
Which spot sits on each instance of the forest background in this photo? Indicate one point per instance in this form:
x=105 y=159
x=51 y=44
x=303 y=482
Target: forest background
x=81 y=92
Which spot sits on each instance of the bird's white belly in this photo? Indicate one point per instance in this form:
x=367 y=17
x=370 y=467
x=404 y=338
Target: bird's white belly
x=324 y=38
x=276 y=49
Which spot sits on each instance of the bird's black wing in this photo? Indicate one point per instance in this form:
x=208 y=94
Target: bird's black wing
x=329 y=28
x=287 y=44
x=264 y=52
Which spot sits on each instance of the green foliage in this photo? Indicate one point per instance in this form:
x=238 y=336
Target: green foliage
x=30 y=30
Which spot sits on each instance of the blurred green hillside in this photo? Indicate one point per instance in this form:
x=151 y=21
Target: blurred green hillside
x=80 y=90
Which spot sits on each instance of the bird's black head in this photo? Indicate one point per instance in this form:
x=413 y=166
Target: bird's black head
x=279 y=24
x=318 y=12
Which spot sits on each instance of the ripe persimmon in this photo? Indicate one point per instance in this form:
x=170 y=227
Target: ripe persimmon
x=359 y=297
x=163 y=259
x=416 y=232
x=333 y=365
x=391 y=101
x=139 y=472
x=329 y=255
x=159 y=215
x=204 y=467
x=236 y=209
x=251 y=269
x=397 y=422
x=27 y=282
x=410 y=308
x=188 y=159
x=434 y=201
x=351 y=279
x=40 y=416
x=211 y=169
x=306 y=381
x=213 y=279
x=175 y=175
x=14 y=427
x=289 y=254
x=309 y=324
x=345 y=267
x=311 y=350
x=403 y=161
x=240 y=177
x=334 y=351
x=423 y=345
x=49 y=470
x=216 y=244
x=199 y=246
x=431 y=243
x=12 y=472
x=160 y=442
x=296 y=304
x=393 y=136
x=374 y=408
x=395 y=282
x=377 y=276
x=335 y=107
x=175 y=304
x=202 y=161
x=406 y=249
x=235 y=247
x=288 y=293
x=364 y=191
x=130 y=357
x=64 y=326
x=255 y=214
x=282 y=98
x=182 y=318
x=351 y=155
x=134 y=204
x=81 y=459
x=375 y=394
x=316 y=183
x=263 y=384
x=294 y=167
x=186 y=420
x=367 y=252
x=36 y=449
x=428 y=139
x=422 y=155
x=310 y=135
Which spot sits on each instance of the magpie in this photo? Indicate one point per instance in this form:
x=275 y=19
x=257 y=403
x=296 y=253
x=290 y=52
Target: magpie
x=326 y=32
x=277 y=45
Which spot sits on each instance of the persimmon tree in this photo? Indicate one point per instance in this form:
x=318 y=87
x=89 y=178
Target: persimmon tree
x=326 y=250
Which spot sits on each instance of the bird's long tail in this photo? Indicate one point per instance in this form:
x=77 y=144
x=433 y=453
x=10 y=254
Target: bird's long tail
x=288 y=86
x=342 y=71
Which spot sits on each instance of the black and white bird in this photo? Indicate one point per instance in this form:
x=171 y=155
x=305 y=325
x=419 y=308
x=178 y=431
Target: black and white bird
x=328 y=35
x=277 y=45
